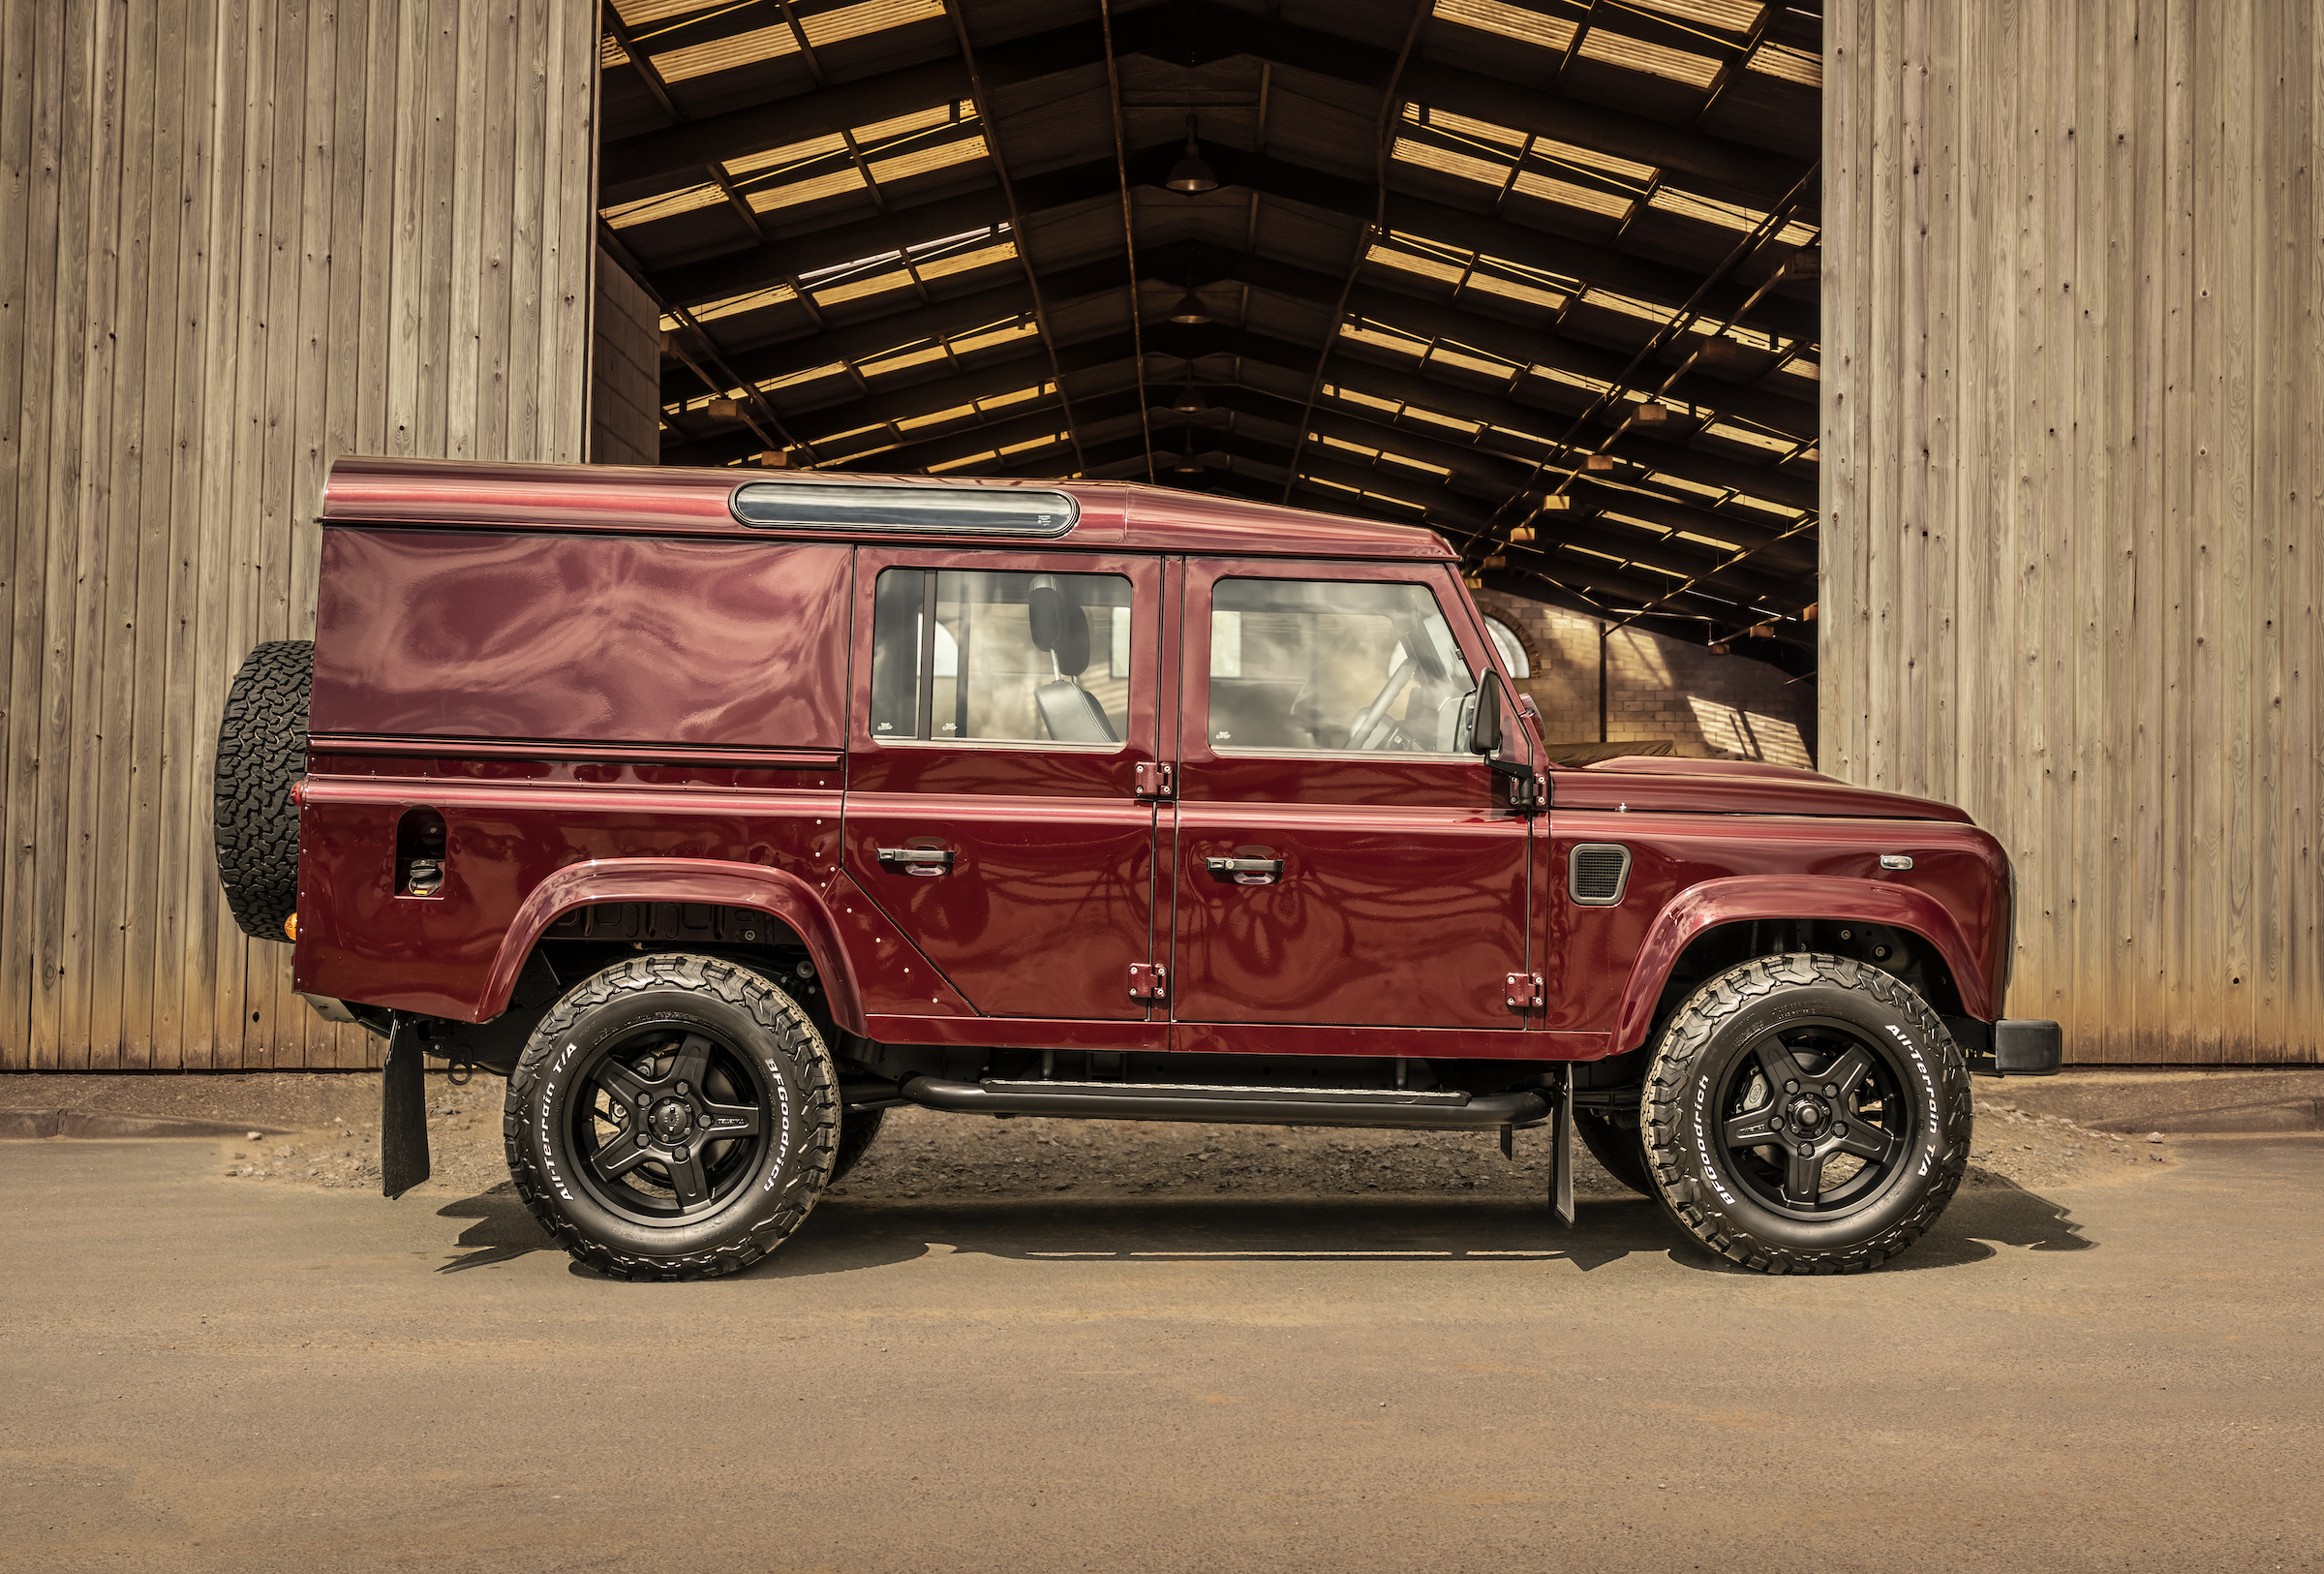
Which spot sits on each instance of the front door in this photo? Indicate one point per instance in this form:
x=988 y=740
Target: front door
x=1004 y=702
x=1340 y=861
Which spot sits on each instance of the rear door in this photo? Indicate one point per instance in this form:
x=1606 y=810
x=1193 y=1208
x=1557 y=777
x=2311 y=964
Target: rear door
x=1004 y=702
x=1342 y=861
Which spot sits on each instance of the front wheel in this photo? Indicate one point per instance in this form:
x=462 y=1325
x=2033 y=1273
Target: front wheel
x=1806 y=1115
x=672 y=1117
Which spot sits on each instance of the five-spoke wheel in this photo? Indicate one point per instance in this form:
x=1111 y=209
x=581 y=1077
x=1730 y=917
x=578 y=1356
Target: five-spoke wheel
x=1806 y=1114
x=673 y=1117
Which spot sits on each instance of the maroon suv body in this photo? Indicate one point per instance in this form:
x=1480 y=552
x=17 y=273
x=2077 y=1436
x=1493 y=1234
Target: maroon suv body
x=1079 y=799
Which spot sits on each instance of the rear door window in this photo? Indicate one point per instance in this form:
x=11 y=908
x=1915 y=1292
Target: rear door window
x=976 y=656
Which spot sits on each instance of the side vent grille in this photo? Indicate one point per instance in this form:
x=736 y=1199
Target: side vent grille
x=1596 y=872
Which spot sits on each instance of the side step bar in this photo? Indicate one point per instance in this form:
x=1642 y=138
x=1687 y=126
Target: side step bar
x=1232 y=1106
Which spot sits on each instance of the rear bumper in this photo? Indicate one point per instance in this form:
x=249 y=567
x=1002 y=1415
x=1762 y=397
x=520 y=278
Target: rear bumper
x=2021 y=1047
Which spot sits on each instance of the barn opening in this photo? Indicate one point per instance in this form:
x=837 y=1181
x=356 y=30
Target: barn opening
x=1542 y=277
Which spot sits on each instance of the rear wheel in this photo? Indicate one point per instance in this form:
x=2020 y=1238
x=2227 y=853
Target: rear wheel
x=1806 y=1115
x=673 y=1117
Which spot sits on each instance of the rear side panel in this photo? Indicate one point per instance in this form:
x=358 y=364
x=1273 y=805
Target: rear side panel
x=555 y=699
x=600 y=638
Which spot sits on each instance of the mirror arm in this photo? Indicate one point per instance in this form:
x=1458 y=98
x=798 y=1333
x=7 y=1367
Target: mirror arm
x=1525 y=794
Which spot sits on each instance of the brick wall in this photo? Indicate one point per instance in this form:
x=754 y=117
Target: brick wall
x=1709 y=706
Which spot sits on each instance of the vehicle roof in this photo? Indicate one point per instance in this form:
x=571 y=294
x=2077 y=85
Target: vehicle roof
x=1114 y=515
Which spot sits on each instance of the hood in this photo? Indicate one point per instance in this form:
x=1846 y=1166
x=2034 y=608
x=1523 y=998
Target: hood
x=1660 y=784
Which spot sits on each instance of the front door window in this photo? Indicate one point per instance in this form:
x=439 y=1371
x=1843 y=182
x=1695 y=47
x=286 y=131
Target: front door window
x=1336 y=666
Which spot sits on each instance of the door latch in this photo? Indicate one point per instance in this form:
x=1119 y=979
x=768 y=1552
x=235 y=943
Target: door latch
x=1526 y=991
x=1153 y=780
x=918 y=860
x=1149 y=981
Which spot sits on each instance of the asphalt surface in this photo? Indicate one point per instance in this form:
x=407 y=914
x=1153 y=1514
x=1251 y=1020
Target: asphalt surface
x=203 y=1374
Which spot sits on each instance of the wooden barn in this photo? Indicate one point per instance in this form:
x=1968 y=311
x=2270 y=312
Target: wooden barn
x=1928 y=391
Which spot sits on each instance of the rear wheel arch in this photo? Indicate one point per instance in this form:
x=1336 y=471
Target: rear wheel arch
x=797 y=919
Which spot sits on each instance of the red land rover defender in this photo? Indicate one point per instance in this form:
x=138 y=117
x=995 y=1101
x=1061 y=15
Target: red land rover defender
x=720 y=814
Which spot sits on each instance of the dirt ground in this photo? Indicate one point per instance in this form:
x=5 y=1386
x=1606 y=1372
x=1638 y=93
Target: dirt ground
x=321 y=1130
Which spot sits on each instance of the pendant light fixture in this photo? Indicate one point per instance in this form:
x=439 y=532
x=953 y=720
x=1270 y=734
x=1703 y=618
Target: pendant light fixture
x=1189 y=402
x=1188 y=464
x=1191 y=173
x=1190 y=309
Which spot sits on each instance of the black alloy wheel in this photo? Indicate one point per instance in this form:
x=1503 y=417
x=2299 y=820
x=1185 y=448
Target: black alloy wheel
x=1815 y=1121
x=673 y=1117
x=669 y=1121
x=1806 y=1114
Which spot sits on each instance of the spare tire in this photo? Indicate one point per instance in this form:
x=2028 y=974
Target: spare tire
x=262 y=754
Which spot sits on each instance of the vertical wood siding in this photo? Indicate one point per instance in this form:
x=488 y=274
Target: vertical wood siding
x=624 y=372
x=2072 y=282
x=237 y=239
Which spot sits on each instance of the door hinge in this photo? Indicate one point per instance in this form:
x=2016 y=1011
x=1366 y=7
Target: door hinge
x=1526 y=991
x=1149 y=981
x=1153 y=779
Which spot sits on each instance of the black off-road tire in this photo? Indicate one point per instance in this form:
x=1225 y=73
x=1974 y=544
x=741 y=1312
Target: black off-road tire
x=761 y=1029
x=1683 y=1123
x=1620 y=1149
x=857 y=1129
x=262 y=754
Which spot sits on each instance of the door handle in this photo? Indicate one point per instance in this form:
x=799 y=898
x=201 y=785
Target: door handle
x=918 y=860
x=1247 y=871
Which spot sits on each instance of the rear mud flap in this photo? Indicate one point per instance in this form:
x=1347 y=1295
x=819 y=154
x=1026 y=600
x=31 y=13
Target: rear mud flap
x=1561 y=1158
x=403 y=1113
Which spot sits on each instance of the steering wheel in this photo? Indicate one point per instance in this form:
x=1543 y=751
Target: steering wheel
x=1366 y=732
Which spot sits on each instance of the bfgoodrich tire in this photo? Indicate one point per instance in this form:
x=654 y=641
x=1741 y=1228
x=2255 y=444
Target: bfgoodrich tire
x=1806 y=1115
x=261 y=754
x=673 y=1117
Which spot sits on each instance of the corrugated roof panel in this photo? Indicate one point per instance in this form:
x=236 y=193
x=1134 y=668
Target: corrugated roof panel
x=1773 y=59
x=967 y=262
x=1430 y=157
x=1730 y=16
x=712 y=55
x=872 y=16
x=1528 y=295
x=789 y=154
x=920 y=161
x=637 y=14
x=1483 y=131
x=668 y=204
x=750 y=301
x=1588 y=199
x=1428 y=268
x=1727 y=215
x=769 y=198
x=1653 y=59
x=1508 y=22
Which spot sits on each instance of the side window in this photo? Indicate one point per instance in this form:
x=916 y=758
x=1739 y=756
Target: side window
x=1337 y=667
x=972 y=654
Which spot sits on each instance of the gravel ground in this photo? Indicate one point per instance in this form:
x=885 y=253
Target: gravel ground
x=332 y=1140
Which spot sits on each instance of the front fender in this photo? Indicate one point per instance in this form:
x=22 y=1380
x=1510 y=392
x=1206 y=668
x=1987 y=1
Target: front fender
x=708 y=882
x=1745 y=897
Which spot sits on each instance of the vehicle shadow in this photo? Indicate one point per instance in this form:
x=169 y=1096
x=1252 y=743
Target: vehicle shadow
x=849 y=1235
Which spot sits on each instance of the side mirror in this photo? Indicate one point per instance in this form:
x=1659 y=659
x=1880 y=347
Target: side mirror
x=1486 y=738
x=1485 y=730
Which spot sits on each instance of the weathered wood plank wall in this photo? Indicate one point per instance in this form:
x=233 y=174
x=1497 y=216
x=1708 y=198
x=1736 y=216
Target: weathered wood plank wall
x=2073 y=283
x=237 y=238
x=625 y=371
